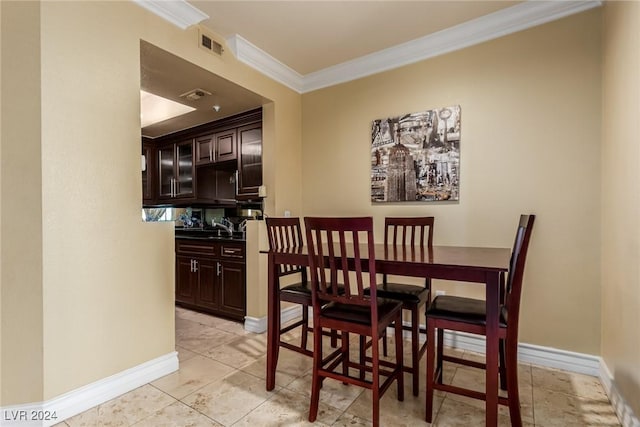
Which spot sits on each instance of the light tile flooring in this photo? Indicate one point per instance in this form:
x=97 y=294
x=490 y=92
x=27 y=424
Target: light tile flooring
x=221 y=382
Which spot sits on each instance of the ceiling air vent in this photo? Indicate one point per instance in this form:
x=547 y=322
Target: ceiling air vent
x=195 y=94
x=206 y=42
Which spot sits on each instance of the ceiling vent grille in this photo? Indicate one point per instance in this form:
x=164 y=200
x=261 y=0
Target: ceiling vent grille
x=207 y=42
x=195 y=94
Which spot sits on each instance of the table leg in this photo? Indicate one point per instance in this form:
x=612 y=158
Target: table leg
x=493 y=315
x=273 y=323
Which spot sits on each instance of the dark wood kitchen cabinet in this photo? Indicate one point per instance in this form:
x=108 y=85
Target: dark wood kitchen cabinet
x=208 y=296
x=176 y=170
x=249 y=161
x=216 y=148
x=148 y=173
x=216 y=185
x=210 y=277
x=232 y=281
x=216 y=163
x=186 y=281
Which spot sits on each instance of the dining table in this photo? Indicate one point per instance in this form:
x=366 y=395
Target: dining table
x=480 y=265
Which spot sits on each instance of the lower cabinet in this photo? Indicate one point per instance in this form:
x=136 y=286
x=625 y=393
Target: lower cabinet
x=210 y=277
x=232 y=289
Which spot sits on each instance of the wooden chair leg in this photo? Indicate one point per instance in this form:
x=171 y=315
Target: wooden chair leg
x=513 y=393
x=384 y=344
x=399 y=358
x=439 y=365
x=502 y=367
x=305 y=326
x=345 y=354
x=415 y=350
x=375 y=381
x=275 y=353
x=316 y=381
x=363 y=355
x=431 y=354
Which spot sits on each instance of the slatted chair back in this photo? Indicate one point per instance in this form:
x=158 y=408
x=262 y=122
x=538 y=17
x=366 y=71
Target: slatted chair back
x=341 y=251
x=286 y=234
x=408 y=231
x=403 y=232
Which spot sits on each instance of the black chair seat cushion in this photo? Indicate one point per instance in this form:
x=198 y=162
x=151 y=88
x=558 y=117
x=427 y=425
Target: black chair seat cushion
x=359 y=314
x=412 y=294
x=461 y=309
x=300 y=288
x=304 y=289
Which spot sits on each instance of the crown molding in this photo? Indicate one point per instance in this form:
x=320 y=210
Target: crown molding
x=253 y=56
x=178 y=12
x=507 y=21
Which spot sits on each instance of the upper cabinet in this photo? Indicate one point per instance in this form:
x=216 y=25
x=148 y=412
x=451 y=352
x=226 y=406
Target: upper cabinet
x=204 y=150
x=225 y=145
x=176 y=170
x=216 y=148
x=148 y=173
x=216 y=164
x=249 y=161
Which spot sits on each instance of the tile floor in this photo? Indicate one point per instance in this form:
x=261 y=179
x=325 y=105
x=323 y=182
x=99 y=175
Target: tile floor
x=221 y=382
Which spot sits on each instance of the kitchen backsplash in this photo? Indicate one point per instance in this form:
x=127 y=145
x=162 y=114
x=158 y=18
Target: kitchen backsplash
x=196 y=216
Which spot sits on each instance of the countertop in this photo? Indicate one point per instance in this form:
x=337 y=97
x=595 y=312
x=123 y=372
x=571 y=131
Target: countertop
x=209 y=234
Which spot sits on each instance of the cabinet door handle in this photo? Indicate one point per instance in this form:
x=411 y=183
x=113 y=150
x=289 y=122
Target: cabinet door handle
x=191 y=266
x=218 y=268
x=195 y=266
x=237 y=184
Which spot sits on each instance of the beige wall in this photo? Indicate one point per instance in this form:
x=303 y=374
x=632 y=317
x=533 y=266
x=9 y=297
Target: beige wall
x=89 y=282
x=621 y=198
x=98 y=278
x=530 y=143
x=1 y=139
x=21 y=214
x=108 y=277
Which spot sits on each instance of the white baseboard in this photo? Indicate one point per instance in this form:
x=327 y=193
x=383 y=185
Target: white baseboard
x=623 y=410
x=86 y=397
x=258 y=325
x=538 y=355
x=530 y=353
x=555 y=358
x=83 y=398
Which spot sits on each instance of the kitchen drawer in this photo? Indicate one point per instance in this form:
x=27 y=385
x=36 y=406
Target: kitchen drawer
x=192 y=246
x=232 y=250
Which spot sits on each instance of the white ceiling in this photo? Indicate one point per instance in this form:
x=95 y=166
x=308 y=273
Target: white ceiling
x=307 y=45
x=169 y=76
x=309 y=36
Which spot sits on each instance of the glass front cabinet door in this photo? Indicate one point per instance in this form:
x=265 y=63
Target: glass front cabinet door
x=175 y=170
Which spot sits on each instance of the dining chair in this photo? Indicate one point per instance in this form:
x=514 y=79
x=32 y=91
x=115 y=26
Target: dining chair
x=286 y=233
x=402 y=234
x=341 y=251
x=469 y=315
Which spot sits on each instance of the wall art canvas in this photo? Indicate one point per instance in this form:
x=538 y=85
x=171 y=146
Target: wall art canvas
x=416 y=157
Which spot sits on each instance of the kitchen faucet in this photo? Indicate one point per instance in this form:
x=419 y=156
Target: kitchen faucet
x=243 y=227
x=225 y=224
